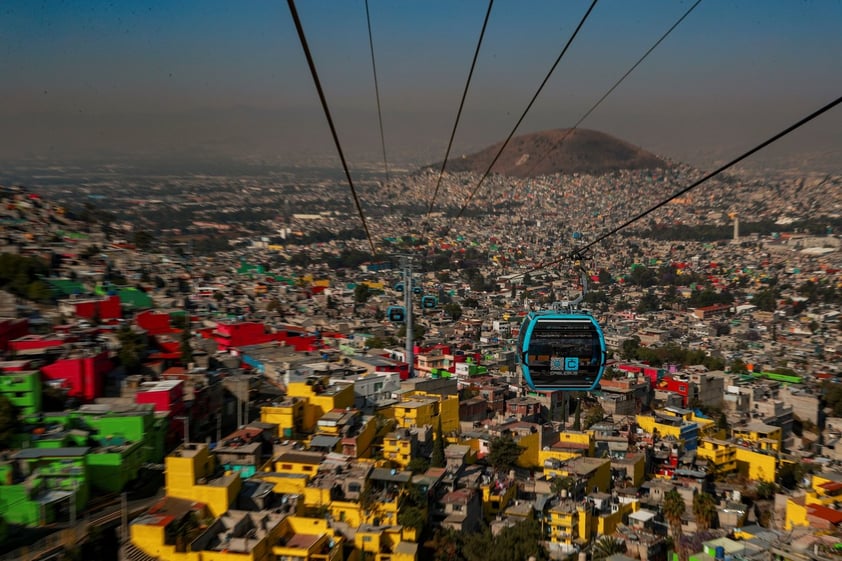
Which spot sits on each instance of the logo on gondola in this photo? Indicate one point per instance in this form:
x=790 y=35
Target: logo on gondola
x=571 y=363
x=557 y=363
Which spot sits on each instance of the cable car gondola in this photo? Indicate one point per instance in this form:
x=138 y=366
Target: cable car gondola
x=561 y=351
x=429 y=302
x=396 y=314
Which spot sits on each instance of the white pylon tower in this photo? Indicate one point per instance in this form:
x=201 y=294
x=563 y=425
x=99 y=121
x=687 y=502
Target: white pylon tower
x=406 y=263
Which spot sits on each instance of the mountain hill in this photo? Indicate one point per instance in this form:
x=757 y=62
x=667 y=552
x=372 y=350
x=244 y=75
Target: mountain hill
x=545 y=153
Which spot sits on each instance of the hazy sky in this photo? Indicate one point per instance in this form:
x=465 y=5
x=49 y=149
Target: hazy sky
x=217 y=78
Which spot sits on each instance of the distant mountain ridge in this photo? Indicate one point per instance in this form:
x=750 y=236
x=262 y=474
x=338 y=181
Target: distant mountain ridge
x=544 y=153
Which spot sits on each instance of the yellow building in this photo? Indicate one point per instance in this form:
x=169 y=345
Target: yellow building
x=288 y=415
x=385 y=495
x=606 y=523
x=418 y=409
x=400 y=447
x=358 y=493
x=592 y=475
x=374 y=285
x=307 y=539
x=727 y=457
x=827 y=489
x=285 y=483
x=756 y=465
x=496 y=496
x=155 y=532
x=571 y=444
x=175 y=530
x=763 y=436
x=530 y=443
x=818 y=503
x=393 y=543
x=306 y=402
x=634 y=466
x=355 y=432
x=571 y=522
x=720 y=454
x=302 y=463
x=188 y=468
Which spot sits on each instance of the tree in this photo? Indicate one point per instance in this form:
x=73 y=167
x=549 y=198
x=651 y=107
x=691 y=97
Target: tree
x=503 y=453
x=605 y=277
x=413 y=516
x=630 y=348
x=186 y=348
x=595 y=415
x=649 y=303
x=521 y=541
x=560 y=484
x=766 y=490
x=39 y=291
x=438 y=459
x=362 y=292
x=577 y=418
x=132 y=349
x=9 y=418
x=606 y=546
x=705 y=510
x=418 y=331
x=453 y=310
x=446 y=545
x=642 y=276
x=766 y=300
x=791 y=474
x=674 y=509
x=418 y=465
x=143 y=240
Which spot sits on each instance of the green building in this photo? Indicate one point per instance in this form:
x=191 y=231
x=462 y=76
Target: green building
x=23 y=389
x=43 y=486
x=120 y=439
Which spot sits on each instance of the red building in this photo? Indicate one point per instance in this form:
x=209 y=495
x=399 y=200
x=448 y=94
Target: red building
x=166 y=395
x=675 y=385
x=654 y=374
x=244 y=334
x=16 y=366
x=104 y=308
x=12 y=329
x=38 y=342
x=83 y=376
x=299 y=339
x=154 y=323
x=241 y=334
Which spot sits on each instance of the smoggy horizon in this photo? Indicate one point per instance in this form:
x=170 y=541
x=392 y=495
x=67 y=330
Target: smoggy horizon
x=94 y=81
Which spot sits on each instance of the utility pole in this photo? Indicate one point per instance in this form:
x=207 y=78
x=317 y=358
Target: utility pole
x=73 y=504
x=407 y=303
x=239 y=404
x=124 y=516
x=218 y=427
x=186 y=420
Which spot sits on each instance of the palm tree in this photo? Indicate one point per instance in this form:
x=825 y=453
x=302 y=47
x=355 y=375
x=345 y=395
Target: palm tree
x=674 y=509
x=704 y=509
x=607 y=546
